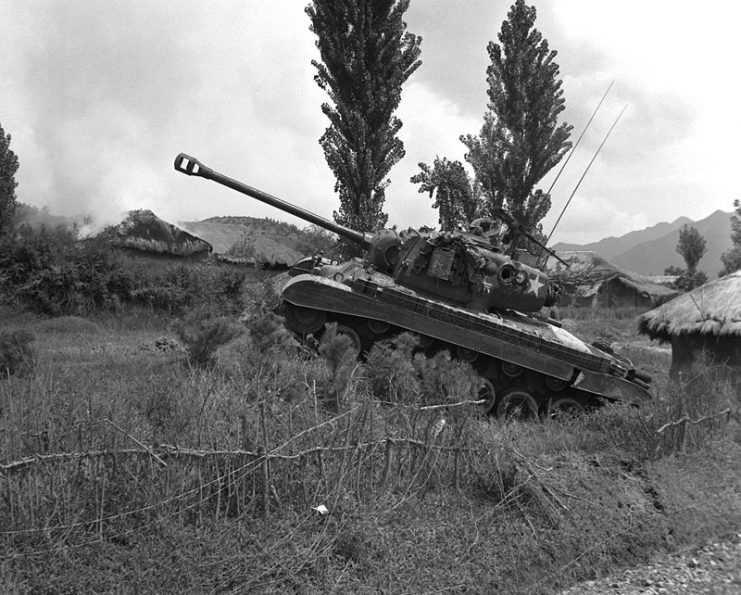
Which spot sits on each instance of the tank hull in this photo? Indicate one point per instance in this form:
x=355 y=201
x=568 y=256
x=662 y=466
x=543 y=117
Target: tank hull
x=508 y=338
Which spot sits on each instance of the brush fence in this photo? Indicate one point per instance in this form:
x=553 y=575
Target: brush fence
x=363 y=453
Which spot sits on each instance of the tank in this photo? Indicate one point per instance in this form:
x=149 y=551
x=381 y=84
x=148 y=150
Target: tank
x=462 y=291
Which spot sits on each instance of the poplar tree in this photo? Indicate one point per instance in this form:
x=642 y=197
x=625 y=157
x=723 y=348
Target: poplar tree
x=366 y=55
x=732 y=258
x=8 y=168
x=691 y=247
x=521 y=139
x=456 y=195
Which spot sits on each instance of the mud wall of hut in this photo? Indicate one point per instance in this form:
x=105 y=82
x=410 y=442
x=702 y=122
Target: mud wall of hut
x=688 y=350
x=612 y=293
x=615 y=294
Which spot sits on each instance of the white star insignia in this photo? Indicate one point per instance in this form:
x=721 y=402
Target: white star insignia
x=535 y=285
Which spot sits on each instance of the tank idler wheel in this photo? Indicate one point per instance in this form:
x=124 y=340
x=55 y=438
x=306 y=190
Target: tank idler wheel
x=517 y=404
x=304 y=321
x=349 y=332
x=511 y=370
x=465 y=354
x=488 y=394
x=565 y=407
x=555 y=384
x=377 y=327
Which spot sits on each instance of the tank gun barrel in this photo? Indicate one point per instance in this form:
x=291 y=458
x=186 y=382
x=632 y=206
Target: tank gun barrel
x=192 y=167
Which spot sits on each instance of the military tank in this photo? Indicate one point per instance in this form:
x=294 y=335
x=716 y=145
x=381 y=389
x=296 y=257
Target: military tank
x=460 y=291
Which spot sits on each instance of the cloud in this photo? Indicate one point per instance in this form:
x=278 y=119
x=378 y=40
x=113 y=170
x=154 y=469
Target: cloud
x=432 y=126
x=454 y=55
x=99 y=97
x=104 y=96
x=590 y=218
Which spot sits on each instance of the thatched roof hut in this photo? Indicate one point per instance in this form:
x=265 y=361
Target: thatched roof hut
x=706 y=319
x=143 y=232
x=592 y=281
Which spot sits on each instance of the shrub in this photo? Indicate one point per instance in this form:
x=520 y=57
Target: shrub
x=341 y=358
x=56 y=273
x=17 y=356
x=263 y=296
x=396 y=373
x=444 y=380
x=203 y=333
x=315 y=240
x=390 y=372
x=268 y=333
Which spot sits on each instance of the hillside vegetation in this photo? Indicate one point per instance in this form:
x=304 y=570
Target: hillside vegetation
x=51 y=271
x=190 y=452
x=261 y=240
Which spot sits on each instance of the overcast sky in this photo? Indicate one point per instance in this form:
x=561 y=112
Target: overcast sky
x=100 y=97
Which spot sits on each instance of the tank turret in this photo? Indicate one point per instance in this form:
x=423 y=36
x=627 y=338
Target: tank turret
x=461 y=267
x=458 y=291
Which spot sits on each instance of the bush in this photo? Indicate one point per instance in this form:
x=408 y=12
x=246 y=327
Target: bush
x=17 y=356
x=395 y=372
x=55 y=273
x=342 y=359
x=390 y=372
x=203 y=333
x=315 y=240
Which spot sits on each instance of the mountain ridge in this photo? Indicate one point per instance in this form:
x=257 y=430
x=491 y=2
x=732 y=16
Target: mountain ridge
x=651 y=250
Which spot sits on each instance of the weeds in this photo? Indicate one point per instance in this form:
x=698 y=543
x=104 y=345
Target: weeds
x=341 y=359
x=122 y=467
x=17 y=355
x=394 y=373
x=203 y=333
x=55 y=273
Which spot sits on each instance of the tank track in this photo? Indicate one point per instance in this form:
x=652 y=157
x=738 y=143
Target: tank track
x=529 y=365
x=509 y=390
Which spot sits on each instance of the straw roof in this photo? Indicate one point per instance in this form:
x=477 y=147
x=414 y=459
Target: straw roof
x=589 y=271
x=143 y=231
x=711 y=309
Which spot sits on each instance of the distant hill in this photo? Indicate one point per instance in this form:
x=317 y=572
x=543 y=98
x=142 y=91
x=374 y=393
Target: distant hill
x=649 y=251
x=259 y=240
x=29 y=215
x=612 y=246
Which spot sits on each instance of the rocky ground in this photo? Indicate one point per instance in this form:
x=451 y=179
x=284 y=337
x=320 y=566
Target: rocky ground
x=712 y=568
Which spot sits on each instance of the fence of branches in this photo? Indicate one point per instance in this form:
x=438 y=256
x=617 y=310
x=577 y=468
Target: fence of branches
x=363 y=452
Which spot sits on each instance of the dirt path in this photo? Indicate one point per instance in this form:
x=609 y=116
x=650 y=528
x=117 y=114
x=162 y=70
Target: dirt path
x=712 y=568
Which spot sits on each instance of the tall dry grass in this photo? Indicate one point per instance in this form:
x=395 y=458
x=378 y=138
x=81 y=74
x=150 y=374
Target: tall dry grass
x=118 y=449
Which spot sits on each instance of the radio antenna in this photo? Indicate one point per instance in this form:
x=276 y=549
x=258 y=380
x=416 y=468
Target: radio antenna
x=578 y=140
x=597 y=152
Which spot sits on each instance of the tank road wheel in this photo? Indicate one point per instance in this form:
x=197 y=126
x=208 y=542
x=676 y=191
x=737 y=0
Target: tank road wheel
x=466 y=355
x=488 y=394
x=377 y=327
x=511 y=370
x=352 y=334
x=304 y=321
x=555 y=384
x=565 y=407
x=517 y=404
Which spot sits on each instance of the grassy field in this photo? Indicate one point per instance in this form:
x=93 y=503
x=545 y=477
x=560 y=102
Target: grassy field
x=126 y=467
